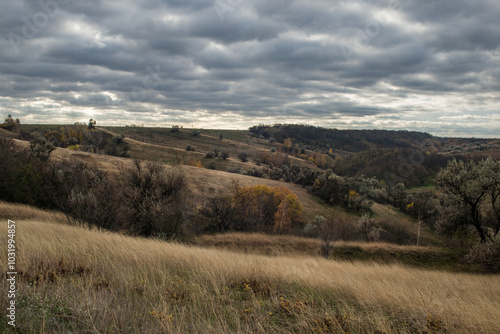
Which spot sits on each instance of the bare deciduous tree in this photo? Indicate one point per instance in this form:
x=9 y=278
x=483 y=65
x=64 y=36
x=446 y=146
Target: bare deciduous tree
x=328 y=231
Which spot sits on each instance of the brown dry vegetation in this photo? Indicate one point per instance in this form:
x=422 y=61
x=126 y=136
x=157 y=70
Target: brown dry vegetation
x=8 y=134
x=78 y=280
x=392 y=217
x=159 y=144
x=26 y=212
x=259 y=243
x=428 y=257
x=202 y=182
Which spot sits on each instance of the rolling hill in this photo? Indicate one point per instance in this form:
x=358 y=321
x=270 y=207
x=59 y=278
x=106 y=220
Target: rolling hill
x=72 y=279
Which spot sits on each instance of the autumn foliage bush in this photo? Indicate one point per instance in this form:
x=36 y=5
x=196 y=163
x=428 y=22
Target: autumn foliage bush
x=252 y=208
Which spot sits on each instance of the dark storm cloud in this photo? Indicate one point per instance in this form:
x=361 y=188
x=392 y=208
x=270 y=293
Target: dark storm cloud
x=373 y=63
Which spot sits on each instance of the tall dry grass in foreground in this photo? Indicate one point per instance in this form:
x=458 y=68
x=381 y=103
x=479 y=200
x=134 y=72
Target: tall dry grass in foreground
x=76 y=280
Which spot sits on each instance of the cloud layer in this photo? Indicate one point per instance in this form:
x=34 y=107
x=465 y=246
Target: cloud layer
x=418 y=65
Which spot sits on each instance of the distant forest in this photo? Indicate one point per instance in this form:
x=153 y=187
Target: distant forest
x=313 y=137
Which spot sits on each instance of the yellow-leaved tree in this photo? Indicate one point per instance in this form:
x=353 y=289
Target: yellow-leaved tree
x=264 y=208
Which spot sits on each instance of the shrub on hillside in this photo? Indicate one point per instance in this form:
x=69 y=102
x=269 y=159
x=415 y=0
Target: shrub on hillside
x=486 y=255
x=154 y=200
x=243 y=156
x=90 y=196
x=328 y=231
x=367 y=228
x=255 y=172
x=116 y=146
x=212 y=165
x=71 y=141
x=217 y=216
x=258 y=208
x=351 y=192
x=26 y=174
x=40 y=147
x=234 y=170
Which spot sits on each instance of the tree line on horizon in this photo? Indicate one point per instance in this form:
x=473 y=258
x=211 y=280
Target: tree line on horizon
x=320 y=138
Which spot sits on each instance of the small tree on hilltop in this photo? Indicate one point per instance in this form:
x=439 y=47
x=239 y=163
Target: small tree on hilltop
x=11 y=125
x=92 y=124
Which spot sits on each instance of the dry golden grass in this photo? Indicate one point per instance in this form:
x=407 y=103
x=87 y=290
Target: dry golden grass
x=389 y=215
x=20 y=211
x=8 y=134
x=78 y=280
x=260 y=243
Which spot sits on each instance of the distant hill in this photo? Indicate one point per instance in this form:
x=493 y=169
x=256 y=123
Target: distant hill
x=314 y=137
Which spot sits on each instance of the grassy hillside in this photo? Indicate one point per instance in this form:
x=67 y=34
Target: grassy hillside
x=160 y=144
x=204 y=184
x=73 y=279
x=429 y=257
x=7 y=134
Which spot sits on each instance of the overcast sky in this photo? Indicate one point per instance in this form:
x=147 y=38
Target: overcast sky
x=427 y=65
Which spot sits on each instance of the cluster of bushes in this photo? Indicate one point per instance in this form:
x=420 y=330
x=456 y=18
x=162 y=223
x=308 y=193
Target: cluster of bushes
x=303 y=176
x=253 y=208
x=26 y=178
x=216 y=153
x=412 y=166
x=486 y=255
x=145 y=200
x=464 y=145
x=356 y=193
x=81 y=138
x=277 y=159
